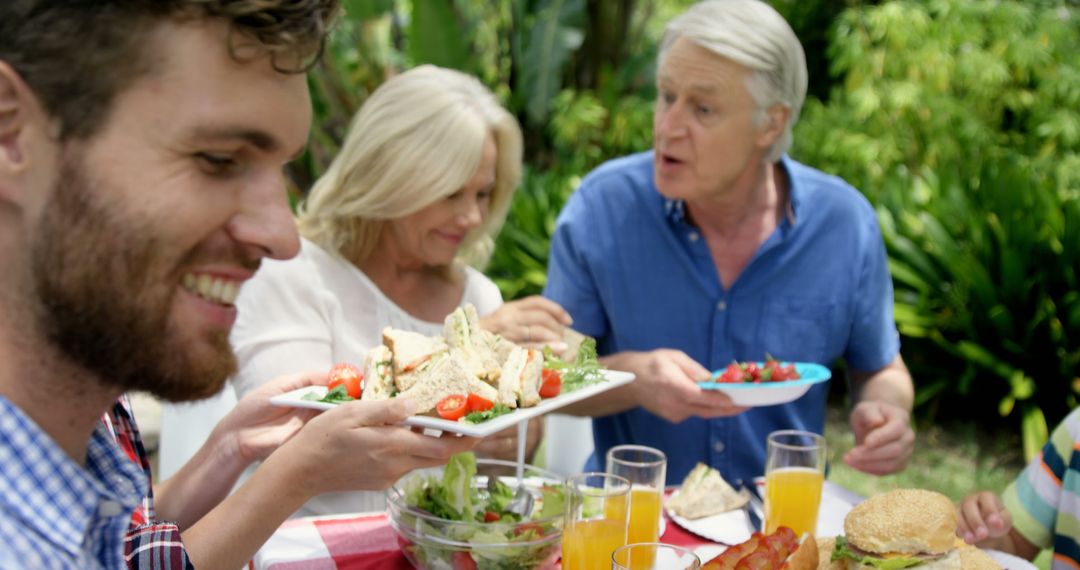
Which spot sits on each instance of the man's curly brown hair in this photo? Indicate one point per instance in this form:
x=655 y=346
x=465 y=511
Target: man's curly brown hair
x=77 y=55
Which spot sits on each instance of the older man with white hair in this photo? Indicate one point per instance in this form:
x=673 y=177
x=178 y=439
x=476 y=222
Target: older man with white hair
x=716 y=246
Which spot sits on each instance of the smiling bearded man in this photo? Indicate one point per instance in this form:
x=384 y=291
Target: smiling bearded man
x=106 y=292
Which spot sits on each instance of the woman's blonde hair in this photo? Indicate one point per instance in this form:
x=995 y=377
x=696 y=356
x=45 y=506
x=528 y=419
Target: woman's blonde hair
x=416 y=140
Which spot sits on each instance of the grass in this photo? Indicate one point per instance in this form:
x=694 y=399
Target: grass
x=952 y=458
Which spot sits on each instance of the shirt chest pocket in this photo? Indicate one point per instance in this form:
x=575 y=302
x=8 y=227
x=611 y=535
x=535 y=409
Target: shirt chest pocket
x=797 y=328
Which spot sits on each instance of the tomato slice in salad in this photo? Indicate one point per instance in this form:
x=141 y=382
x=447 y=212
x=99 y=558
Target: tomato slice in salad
x=348 y=375
x=452 y=407
x=551 y=383
x=462 y=560
x=477 y=403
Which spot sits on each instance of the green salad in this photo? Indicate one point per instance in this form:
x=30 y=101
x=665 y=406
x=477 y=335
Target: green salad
x=484 y=535
x=584 y=371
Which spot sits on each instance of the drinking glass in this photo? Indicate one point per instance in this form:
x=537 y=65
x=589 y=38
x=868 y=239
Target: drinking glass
x=596 y=518
x=794 y=474
x=645 y=468
x=654 y=556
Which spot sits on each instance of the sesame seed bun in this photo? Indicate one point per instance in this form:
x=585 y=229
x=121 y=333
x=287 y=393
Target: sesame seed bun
x=972 y=558
x=905 y=521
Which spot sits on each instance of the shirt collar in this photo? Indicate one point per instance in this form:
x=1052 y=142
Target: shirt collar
x=675 y=210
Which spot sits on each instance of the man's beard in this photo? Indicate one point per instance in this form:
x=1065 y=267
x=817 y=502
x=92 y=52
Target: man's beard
x=105 y=291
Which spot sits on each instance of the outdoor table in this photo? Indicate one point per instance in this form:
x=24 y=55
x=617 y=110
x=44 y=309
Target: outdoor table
x=366 y=541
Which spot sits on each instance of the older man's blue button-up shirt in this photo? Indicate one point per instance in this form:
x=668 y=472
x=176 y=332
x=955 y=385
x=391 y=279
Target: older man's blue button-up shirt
x=636 y=274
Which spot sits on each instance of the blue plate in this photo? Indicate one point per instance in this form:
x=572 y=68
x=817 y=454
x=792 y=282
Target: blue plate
x=749 y=394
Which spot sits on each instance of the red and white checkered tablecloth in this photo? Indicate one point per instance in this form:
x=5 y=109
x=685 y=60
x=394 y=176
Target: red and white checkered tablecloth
x=364 y=542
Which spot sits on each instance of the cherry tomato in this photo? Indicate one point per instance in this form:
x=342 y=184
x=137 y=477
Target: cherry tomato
x=463 y=561
x=452 y=407
x=753 y=372
x=490 y=516
x=478 y=403
x=733 y=373
x=551 y=383
x=527 y=527
x=348 y=375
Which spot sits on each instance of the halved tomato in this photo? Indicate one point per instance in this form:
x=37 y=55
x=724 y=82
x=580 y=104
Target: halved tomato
x=452 y=407
x=462 y=560
x=478 y=403
x=551 y=383
x=348 y=375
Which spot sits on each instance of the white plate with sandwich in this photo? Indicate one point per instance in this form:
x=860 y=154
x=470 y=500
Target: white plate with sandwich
x=467 y=360
x=615 y=378
x=706 y=505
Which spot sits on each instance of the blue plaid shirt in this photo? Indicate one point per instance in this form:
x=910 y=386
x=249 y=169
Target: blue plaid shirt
x=55 y=513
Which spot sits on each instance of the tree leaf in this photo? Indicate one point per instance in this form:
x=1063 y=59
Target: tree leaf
x=556 y=30
x=436 y=35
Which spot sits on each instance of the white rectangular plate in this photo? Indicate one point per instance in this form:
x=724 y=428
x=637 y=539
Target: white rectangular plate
x=615 y=378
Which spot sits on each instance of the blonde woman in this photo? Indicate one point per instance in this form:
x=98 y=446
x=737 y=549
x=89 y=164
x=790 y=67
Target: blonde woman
x=391 y=236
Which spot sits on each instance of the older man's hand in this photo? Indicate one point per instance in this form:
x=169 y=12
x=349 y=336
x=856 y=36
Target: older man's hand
x=884 y=439
x=667 y=385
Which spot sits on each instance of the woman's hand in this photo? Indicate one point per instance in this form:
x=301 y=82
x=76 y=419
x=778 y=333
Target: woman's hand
x=533 y=322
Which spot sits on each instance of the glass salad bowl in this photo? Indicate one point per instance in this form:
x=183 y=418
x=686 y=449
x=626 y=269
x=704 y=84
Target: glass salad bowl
x=455 y=518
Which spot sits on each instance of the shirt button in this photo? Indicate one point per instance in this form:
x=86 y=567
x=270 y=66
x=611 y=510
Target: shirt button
x=721 y=306
x=718 y=447
x=693 y=236
x=109 y=508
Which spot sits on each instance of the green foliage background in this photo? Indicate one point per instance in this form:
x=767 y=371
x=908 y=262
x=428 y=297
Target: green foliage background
x=959 y=119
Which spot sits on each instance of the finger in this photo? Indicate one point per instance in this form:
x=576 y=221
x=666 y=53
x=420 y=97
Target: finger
x=867 y=415
x=874 y=467
x=364 y=413
x=996 y=517
x=976 y=524
x=290 y=382
x=879 y=461
x=542 y=326
x=690 y=367
x=864 y=418
x=898 y=449
x=963 y=527
x=712 y=404
x=438 y=450
x=888 y=432
x=717 y=412
x=555 y=310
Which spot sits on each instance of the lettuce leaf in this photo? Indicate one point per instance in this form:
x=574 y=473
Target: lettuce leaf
x=457 y=485
x=842 y=551
x=585 y=370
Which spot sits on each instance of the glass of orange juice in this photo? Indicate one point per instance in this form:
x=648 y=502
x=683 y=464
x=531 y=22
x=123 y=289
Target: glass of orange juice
x=794 y=474
x=645 y=468
x=596 y=518
x=654 y=556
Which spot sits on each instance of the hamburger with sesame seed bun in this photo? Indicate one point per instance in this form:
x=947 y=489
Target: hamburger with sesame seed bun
x=905 y=528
